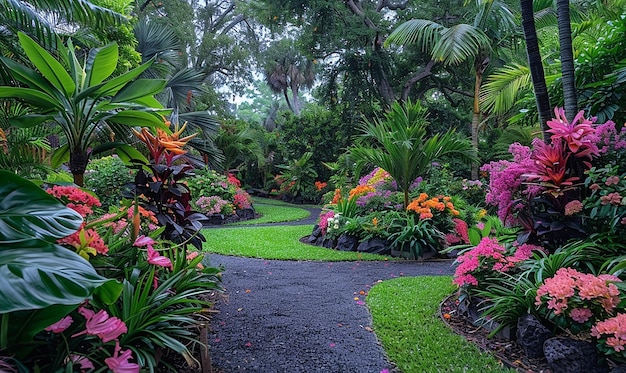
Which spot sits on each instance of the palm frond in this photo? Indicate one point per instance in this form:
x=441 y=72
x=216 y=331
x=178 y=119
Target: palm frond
x=499 y=94
x=422 y=32
x=460 y=43
x=33 y=17
x=180 y=86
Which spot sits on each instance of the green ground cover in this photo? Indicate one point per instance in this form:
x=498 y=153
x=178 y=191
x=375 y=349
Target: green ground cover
x=275 y=242
x=406 y=321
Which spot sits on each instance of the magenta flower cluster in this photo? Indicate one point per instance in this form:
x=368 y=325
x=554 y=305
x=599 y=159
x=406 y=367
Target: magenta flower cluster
x=487 y=257
x=323 y=223
x=579 y=296
x=505 y=180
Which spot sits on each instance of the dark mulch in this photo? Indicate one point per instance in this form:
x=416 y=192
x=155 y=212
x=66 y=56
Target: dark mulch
x=509 y=352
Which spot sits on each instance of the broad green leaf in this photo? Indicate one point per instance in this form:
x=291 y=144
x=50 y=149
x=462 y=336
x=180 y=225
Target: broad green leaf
x=29 y=76
x=76 y=70
x=27 y=212
x=28 y=120
x=112 y=86
x=474 y=235
x=60 y=156
x=139 y=89
x=130 y=155
x=47 y=65
x=138 y=119
x=31 y=96
x=101 y=63
x=148 y=101
x=36 y=274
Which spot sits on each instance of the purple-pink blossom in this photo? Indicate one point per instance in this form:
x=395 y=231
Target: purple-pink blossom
x=119 y=363
x=61 y=325
x=101 y=325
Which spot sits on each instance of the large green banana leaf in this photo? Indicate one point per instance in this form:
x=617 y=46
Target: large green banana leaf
x=27 y=212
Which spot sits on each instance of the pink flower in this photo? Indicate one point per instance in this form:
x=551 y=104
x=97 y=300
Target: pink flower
x=612 y=180
x=578 y=135
x=87 y=240
x=614 y=199
x=159 y=260
x=118 y=363
x=83 y=362
x=573 y=207
x=61 y=325
x=144 y=241
x=75 y=198
x=581 y=315
x=101 y=325
x=614 y=330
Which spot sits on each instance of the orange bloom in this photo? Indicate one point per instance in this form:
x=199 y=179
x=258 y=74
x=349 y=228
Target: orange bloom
x=337 y=197
x=319 y=185
x=360 y=190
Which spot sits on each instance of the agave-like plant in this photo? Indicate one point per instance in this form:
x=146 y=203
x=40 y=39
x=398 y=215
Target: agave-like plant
x=81 y=98
x=398 y=143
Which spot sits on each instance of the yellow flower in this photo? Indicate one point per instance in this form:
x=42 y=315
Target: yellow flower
x=375 y=222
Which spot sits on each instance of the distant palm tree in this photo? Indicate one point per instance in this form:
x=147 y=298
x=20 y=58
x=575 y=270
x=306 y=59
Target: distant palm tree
x=289 y=70
x=398 y=143
x=456 y=44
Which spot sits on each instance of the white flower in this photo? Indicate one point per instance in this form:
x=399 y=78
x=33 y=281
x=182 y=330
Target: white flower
x=336 y=226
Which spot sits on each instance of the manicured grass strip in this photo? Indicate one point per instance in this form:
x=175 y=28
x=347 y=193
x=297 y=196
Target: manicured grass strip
x=275 y=214
x=277 y=202
x=274 y=242
x=406 y=321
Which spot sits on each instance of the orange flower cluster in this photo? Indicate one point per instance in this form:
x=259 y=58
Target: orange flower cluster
x=337 y=197
x=164 y=142
x=424 y=206
x=319 y=185
x=360 y=190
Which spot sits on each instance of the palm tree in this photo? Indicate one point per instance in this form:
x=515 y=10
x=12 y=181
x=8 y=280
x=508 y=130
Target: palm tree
x=289 y=70
x=570 y=95
x=456 y=44
x=399 y=144
x=536 y=65
x=79 y=98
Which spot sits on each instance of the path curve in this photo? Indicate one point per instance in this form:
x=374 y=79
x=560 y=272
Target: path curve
x=302 y=316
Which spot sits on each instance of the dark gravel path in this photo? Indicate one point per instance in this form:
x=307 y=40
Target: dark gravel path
x=285 y=316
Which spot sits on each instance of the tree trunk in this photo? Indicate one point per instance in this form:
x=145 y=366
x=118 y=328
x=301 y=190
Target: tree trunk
x=295 y=103
x=536 y=66
x=78 y=165
x=480 y=65
x=567 y=60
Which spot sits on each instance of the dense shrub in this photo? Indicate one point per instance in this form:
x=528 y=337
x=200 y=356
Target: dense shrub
x=106 y=177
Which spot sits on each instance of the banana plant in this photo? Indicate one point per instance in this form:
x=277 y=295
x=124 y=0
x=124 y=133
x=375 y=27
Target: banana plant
x=82 y=98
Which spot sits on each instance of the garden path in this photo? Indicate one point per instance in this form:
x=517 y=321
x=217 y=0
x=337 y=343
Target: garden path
x=302 y=316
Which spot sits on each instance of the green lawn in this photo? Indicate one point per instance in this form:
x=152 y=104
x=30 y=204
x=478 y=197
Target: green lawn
x=406 y=321
x=274 y=212
x=274 y=242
